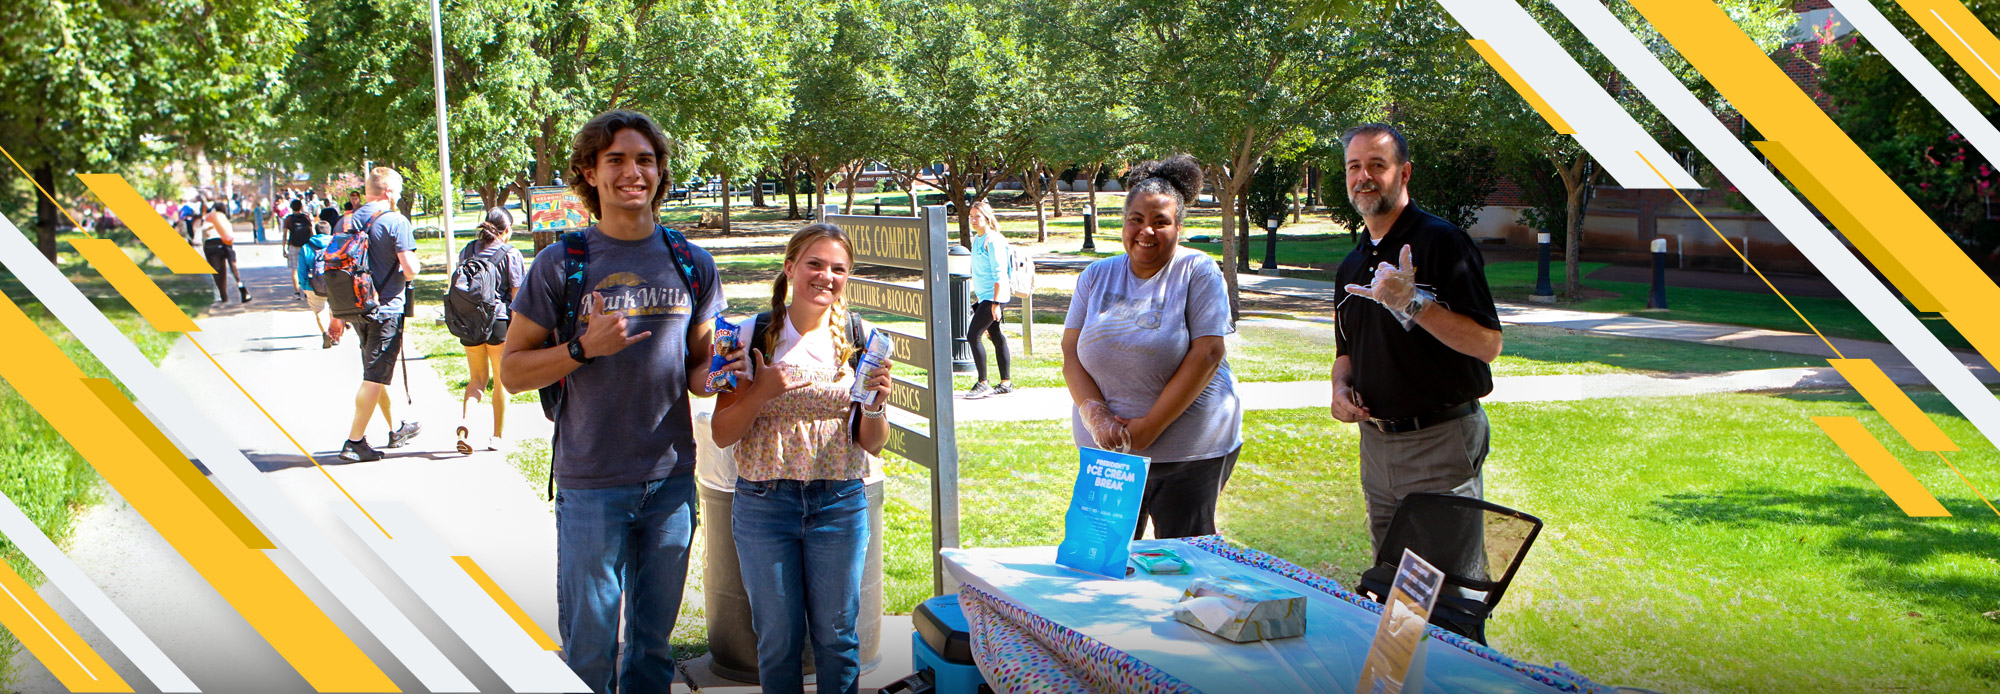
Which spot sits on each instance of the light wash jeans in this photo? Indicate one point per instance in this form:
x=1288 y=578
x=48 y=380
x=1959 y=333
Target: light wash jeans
x=801 y=546
x=630 y=542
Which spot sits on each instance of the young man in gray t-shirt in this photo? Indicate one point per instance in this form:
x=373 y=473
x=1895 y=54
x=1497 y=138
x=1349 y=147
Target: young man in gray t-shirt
x=624 y=446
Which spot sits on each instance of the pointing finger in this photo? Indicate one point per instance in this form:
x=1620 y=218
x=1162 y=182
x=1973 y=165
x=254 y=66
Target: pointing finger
x=638 y=337
x=1361 y=291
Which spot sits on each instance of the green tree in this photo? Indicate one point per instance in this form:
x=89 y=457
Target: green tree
x=1227 y=81
x=1913 y=143
x=721 y=80
x=963 y=96
x=840 y=93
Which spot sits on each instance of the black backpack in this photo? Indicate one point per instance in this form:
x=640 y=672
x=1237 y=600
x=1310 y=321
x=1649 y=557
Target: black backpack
x=298 y=228
x=477 y=296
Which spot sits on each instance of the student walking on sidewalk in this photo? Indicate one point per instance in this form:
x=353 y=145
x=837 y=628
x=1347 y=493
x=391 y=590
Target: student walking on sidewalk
x=482 y=353
x=992 y=260
x=218 y=244
x=392 y=263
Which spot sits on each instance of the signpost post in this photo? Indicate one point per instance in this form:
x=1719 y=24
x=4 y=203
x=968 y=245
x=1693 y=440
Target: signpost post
x=914 y=243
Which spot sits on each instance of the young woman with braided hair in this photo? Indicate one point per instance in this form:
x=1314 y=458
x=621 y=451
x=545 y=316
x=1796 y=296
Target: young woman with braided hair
x=802 y=450
x=482 y=356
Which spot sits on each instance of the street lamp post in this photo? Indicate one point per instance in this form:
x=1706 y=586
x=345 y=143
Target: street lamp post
x=1089 y=228
x=447 y=202
x=1270 y=248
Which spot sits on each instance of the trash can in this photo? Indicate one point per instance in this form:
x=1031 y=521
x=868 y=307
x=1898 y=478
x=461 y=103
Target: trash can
x=732 y=642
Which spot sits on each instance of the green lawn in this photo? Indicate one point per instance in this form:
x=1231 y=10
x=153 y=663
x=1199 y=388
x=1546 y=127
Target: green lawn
x=39 y=470
x=1514 y=281
x=1739 y=550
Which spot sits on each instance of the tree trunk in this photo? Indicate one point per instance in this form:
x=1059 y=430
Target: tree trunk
x=1574 y=184
x=488 y=194
x=1226 y=196
x=1091 y=181
x=757 y=190
x=1055 y=193
x=1033 y=181
x=910 y=189
x=204 y=172
x=791 y=192
x=45 y=211
x=1243 y=232
x=851 y=175
x=544 y=159
x=725 y=200
x=955 y=185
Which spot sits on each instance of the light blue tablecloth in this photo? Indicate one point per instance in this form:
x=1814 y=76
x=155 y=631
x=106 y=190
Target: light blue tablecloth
x=1135 y=615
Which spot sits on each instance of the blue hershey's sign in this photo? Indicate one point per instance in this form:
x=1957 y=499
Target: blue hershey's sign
x=1103 y=512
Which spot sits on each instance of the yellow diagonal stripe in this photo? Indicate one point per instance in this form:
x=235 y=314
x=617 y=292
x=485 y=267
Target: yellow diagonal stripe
x=1775 y=105
x=132 y=283
x=1520 y=85
x=247 y=578
x=145 y=222
x=52 y=641
x=1956 y=29
x=184 y=469
x=1887 y=472
x=1869 y=243
x=1895 y=406
x=535 y=631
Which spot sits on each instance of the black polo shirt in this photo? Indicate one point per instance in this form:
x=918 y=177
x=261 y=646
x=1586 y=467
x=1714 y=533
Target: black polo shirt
x=1403 y=373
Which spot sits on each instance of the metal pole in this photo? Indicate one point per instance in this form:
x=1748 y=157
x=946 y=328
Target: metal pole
x=944 y=435
x=447 y=202
x=1270 y=248
x=1545 y=292
x=1658 y=299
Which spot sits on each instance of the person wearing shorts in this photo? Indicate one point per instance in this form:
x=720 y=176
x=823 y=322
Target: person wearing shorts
x=482 y=356
x=392 y=263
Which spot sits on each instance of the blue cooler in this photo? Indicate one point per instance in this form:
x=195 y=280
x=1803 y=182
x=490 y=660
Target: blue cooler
x=941 y=649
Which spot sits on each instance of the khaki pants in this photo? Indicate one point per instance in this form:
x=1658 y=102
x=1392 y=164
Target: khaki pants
x=1446 y=459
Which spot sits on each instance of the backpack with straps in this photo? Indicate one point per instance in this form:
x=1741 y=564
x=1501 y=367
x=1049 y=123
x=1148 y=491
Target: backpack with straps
x=312 y=264
x=857 y=335
x=350 y=287
x=476 y=297
x=696 y=268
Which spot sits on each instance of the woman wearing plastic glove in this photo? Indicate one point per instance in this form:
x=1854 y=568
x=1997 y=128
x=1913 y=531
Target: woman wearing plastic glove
x=1144 y=359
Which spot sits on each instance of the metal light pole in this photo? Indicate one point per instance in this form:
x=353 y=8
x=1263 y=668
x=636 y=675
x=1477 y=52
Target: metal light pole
x=447 y=202
x=1270 y=248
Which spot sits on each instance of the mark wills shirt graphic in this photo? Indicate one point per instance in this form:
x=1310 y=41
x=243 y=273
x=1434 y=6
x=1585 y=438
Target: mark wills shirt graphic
x=639 y=298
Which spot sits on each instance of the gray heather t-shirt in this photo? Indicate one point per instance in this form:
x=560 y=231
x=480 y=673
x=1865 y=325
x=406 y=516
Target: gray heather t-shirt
x=625 y=417
x=1134 y=334
x=391 y=235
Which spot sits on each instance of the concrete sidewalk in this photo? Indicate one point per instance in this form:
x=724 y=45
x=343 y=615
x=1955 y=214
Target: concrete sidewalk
x=478 y=504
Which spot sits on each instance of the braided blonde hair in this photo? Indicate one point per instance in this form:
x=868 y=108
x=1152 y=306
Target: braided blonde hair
x=804 y=238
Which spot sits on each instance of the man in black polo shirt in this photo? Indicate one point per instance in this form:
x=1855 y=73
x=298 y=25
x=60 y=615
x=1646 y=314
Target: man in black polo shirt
x=1417 y=329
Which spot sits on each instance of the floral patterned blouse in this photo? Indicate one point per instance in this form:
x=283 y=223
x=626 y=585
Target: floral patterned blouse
x=803 y=435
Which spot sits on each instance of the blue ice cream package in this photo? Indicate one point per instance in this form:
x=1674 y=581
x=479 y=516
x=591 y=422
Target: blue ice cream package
x=728 y=338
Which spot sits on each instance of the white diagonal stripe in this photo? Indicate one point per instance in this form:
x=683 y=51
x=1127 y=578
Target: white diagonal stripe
x=284 y=523
x=88 y=599
x=1929 y=82
x=1602 y=126
x=423 y=561
x=1791 y=217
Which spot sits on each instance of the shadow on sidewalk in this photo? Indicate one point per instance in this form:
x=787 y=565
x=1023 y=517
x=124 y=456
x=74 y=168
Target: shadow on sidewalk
x=274 y=462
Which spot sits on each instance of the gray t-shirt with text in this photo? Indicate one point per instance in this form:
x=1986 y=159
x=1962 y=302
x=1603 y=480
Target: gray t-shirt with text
x=1133 y=335
x=625 y=417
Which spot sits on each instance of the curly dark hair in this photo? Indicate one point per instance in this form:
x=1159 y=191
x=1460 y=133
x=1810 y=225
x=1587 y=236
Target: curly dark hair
x=1177 y=177
x=594 y=136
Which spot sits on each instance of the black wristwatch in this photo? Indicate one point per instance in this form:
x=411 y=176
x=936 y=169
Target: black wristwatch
x=576 y=352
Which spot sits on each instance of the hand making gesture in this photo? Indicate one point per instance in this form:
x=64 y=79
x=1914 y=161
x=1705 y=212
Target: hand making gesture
x=1394 y=287
x=769 y=381
x=604 y=333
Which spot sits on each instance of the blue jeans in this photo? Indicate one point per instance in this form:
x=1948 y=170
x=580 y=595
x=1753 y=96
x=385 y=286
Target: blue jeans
x=801 y=546
x=629 y=542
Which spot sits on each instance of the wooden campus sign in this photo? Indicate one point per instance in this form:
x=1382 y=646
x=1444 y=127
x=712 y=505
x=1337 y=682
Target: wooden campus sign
x=921 y=424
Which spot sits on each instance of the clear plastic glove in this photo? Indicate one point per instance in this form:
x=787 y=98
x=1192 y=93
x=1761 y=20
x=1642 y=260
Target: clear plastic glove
x=1104 y=428
x=1395 y=288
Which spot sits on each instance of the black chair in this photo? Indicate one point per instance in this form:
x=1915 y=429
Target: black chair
x=1477 y=544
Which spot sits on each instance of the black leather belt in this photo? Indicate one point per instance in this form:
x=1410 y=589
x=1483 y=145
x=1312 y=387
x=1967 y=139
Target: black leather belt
x=1409 y=424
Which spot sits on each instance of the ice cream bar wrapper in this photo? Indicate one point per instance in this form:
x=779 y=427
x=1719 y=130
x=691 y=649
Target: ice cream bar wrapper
x=1242 y=609
x=876 y=353
x=1160 y=562
x=728 y=338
